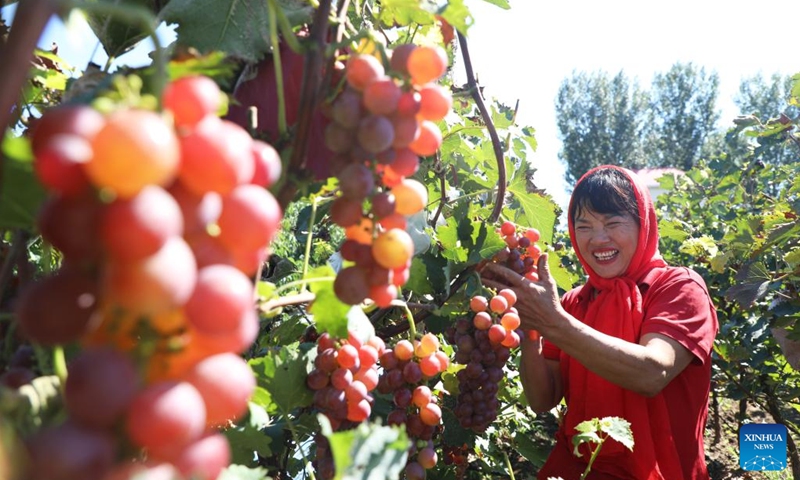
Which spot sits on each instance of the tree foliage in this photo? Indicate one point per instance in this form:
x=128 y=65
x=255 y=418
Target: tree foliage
x=600 y=121
x=683 y=114
x=612 y=120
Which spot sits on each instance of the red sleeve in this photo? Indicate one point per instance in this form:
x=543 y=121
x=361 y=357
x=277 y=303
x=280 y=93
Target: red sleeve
x=550 y=351
x=679 y=307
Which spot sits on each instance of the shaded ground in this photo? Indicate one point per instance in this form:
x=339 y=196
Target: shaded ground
x=722 y=449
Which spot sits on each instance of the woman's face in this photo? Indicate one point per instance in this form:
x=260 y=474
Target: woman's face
x=606 y=241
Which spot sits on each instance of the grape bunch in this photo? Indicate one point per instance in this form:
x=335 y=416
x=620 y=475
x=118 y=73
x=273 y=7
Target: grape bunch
x=161 y=221
x=408 y=369
x=345 y=372
x=483 y=343
x=521 y=251
x=381 y=124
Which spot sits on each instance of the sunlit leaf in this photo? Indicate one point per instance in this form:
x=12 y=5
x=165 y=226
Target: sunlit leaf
x=238 y=27
x=282 y=373
x=241 y=472
x=367 y=452
x=619 y=429
x=330 y=313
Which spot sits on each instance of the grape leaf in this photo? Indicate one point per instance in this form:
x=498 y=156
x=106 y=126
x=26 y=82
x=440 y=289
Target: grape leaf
x=248 y=436
x=672 y=229
x=538 y=210
x=457 y=14
x=20 y=193
x=282 y=373
x=450 y=242
x=241 y=472
x=755 y=279
x=330 y=313
x=534 y=453
x=238 y=27
x=500 y=3
x=118 y=35
x=404 y=12
x=368 y=452
x=619 y=429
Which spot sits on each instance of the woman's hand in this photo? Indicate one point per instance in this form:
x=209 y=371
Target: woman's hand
x=538 y=303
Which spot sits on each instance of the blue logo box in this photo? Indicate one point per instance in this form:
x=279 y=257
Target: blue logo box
x=762 y=446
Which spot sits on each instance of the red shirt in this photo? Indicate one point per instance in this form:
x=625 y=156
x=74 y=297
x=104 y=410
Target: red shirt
x=677 y=306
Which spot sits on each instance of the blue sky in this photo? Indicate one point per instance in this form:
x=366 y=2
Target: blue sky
x=524 y=53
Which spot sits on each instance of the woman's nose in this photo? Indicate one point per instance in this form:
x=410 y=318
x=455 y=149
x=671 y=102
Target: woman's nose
x=599 y=235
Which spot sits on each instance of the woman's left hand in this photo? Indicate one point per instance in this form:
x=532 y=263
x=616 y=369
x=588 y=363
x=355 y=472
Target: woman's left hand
x=538 y=303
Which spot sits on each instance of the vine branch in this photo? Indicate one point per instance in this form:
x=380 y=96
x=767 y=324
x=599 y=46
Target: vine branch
x=487 y=118
x=308 y=99
x=17 y=52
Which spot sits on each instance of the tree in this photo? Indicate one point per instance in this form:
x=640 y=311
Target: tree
x=768 y=99
x=682 y=116
x=600 y=121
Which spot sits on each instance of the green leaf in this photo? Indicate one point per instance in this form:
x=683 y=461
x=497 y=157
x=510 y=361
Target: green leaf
x=21 y=194
x=703 y=247
x=118 y=33
x=240 y=472
x=500 y=3
x=538 y=210
x=248 y=437
x=581 y=438
x=792 y=257
x=237 y=27
x=448 y=236
x=367 y=452
x=673 y=229
x=212 y=65
x=457 y=14
x=282 y=374
x=405 y=12
x=619 y=429
x=534 y=453
x=753 y=286
x=330 y=313
x=486 y=242
x=563 y=277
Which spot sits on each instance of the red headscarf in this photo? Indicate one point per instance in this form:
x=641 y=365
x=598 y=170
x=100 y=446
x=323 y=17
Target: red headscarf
x=617 y=310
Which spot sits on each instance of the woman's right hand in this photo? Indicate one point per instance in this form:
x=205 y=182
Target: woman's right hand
x=537 y=302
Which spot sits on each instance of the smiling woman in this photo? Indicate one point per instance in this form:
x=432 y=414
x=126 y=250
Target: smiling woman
x=633 y=342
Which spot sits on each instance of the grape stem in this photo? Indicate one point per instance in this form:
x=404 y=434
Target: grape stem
x=309 y=236
x=487 y=118
x=297 y=442
x=412 y=327
x=508 y=465
x=276 y=62
x=60 y=365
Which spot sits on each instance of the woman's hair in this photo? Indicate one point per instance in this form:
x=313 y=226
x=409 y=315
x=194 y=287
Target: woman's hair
x=605 y=191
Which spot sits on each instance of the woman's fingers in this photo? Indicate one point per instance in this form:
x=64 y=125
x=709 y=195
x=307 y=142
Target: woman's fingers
x=494 y=284
x=501 y=274
x=543 y=268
